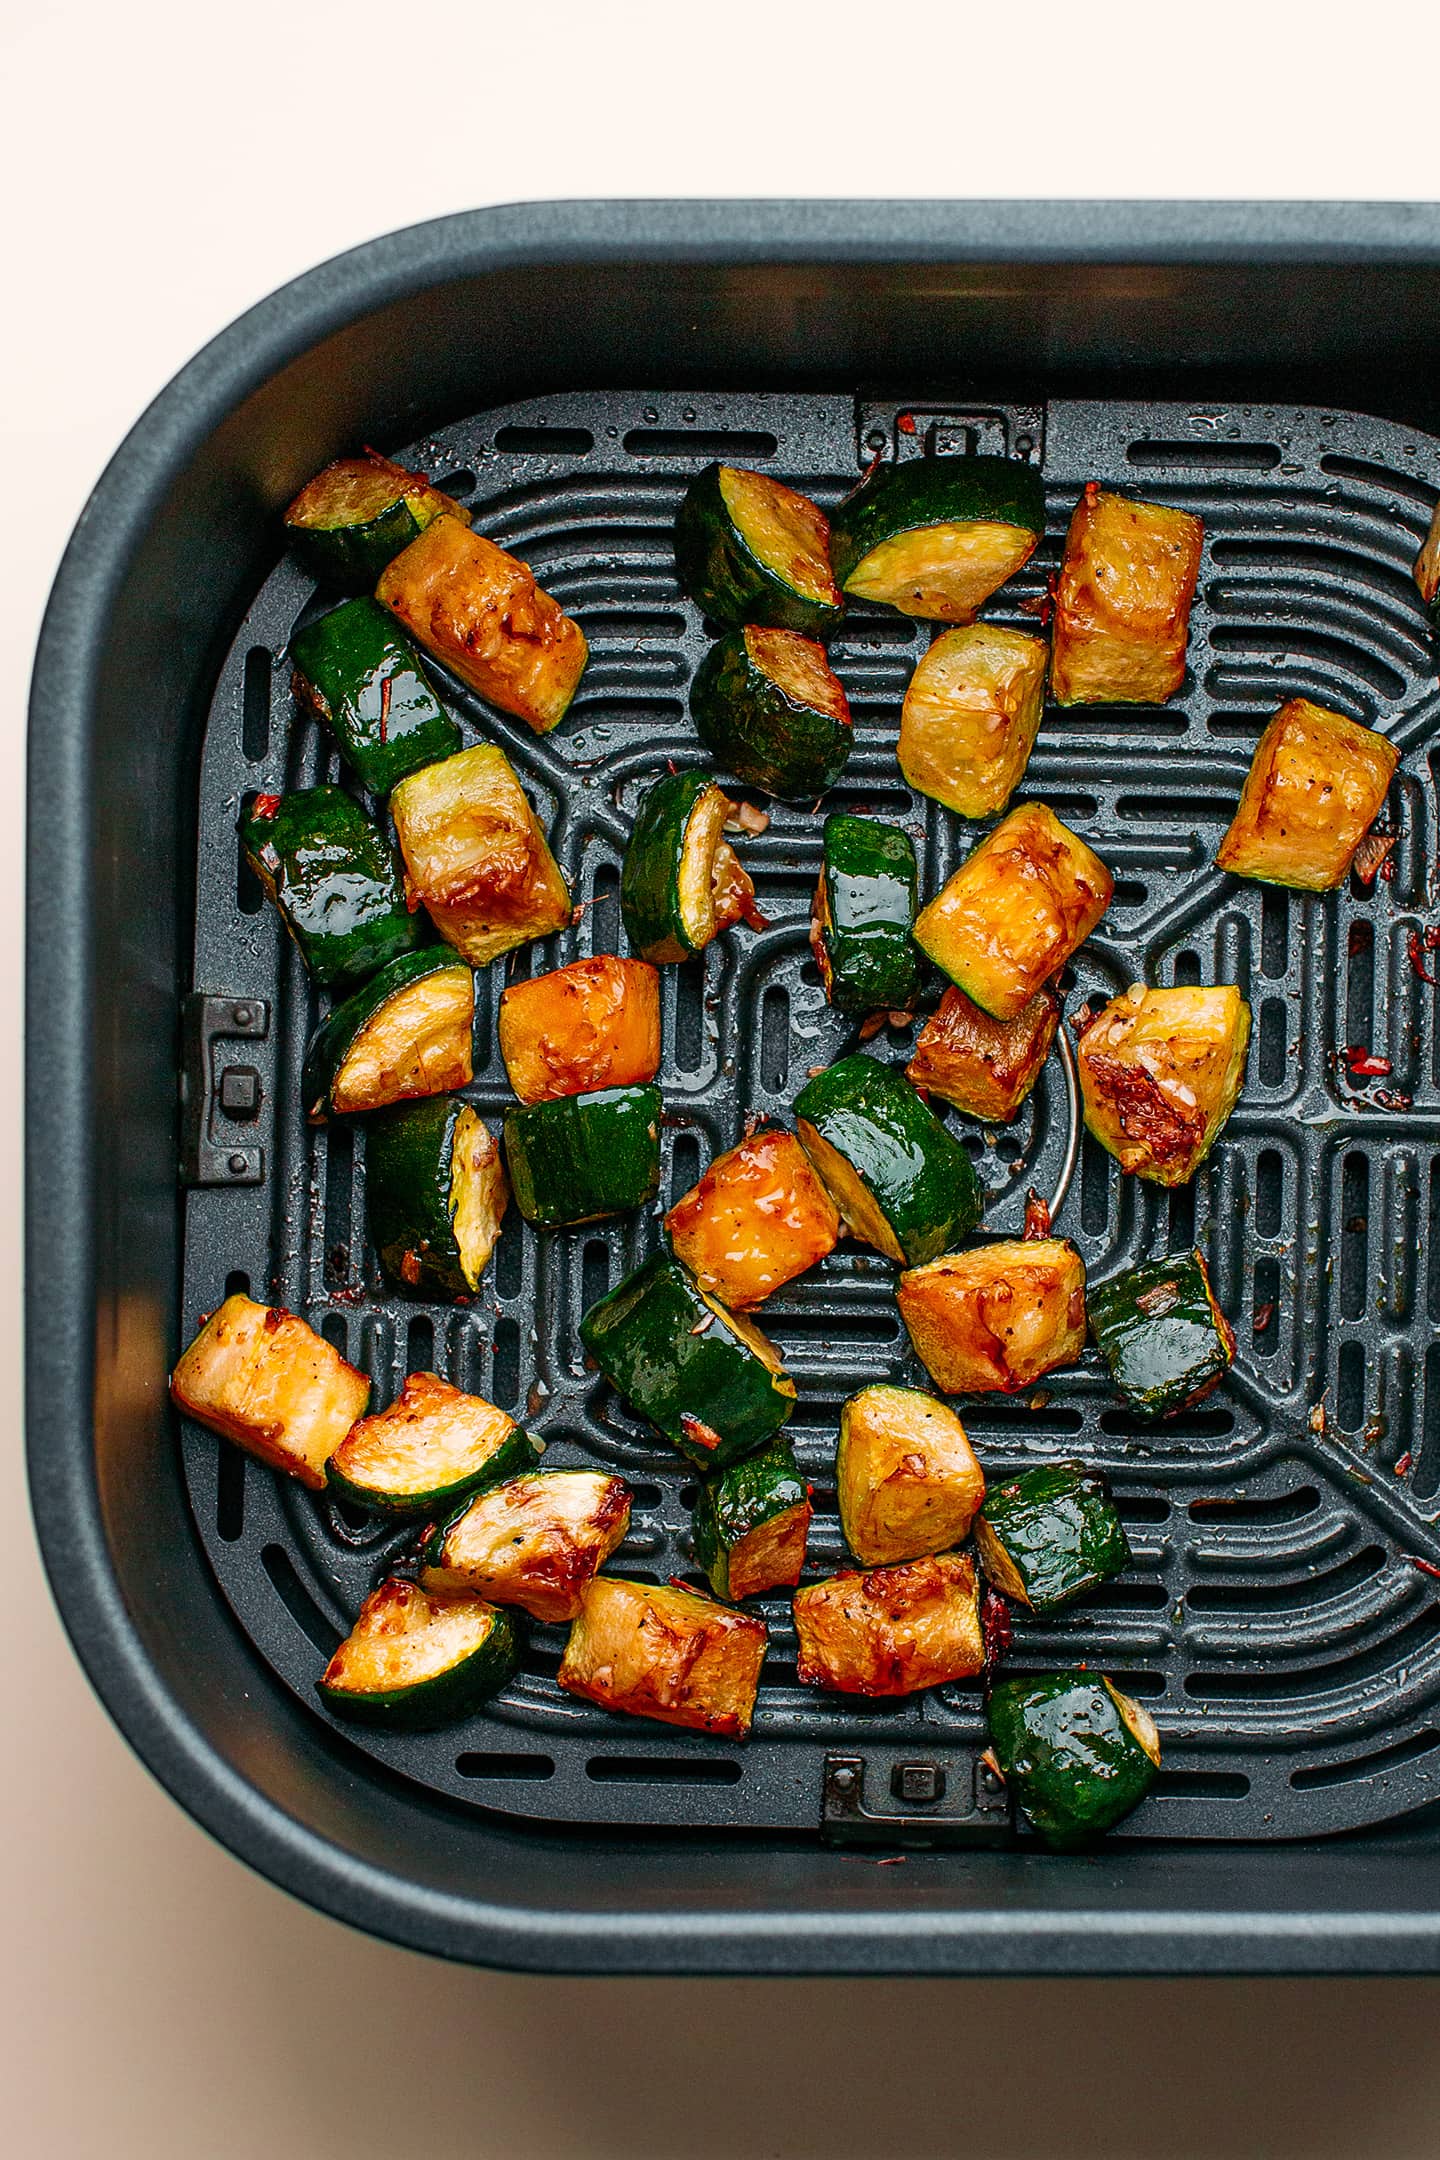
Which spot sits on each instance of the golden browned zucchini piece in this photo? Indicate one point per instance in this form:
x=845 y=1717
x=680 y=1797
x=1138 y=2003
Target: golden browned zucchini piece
x=758 y=1217
x=475 y=853
x=1316 y=784
x=260 y=1375
x=893 y=1630
x=995 y=1318
x=665 y=1653
x=428 y=1450
x=593 y=1024
x=1159 y=1073
x=1122 y=606
x=908 y=1480
x=971 y=715
x=480 y=612
x=534 y=1541
x=1427 y=569
x=985 y=1067
x=1015 y=910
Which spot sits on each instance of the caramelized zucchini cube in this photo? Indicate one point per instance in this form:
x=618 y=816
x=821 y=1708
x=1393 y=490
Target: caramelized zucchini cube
x=476 y=856
x=1159 y=1073
x=535 y=1541
x=435 y=1195
x=407 y=1033
x=415 y=1660
x=259 y=1375
x=1051 y=1534
x=1077 y=1752
x=995 y=1318
x=1316 y=784
x=1122 y=605
x=750 y=550
x=665 y=1653
x=768 y=707
x=984 y=1067
x=481 y=614
x=430 y=1449
x=1016 y=910
x=892 y=1630
x=1162 y=1334
x=752 y=1522
x=682 y=883
x=594 y=1024
x=971 y=715
x=759 y=1217
x=935 y=536
x=900 y=1179
x=908 y=1480
x=353 y=518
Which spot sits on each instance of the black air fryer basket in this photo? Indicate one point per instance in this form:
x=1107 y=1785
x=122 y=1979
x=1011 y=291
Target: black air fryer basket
x=565 y=370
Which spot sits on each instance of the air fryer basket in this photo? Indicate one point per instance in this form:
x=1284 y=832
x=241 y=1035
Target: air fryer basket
x=1277 y=1622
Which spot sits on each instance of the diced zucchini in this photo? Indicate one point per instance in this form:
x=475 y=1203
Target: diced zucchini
x=593 y=1024
x=535 y=1541
x=430 y=1449
x=365 y=682
x=892 y=1630
x=681 y=882
x=1122 y=605
x=901 y=1181
x=578 y=1158
x=333 y=879
x=435 y=1194
x=476 y=855
x=1316 y=784
x=751 y=1524
x=1427 y=569
x=348 y=522
x=1077 y=1752
x=704 y=1377
x=661 y=1652
x=1051 y=1534
x=769 y=709
x=908 y=1480
x=1015 y=911
x=1162 y=1334
x=749 y=550
x=1159 y=1072
x=984 y=1067
x=259 y=1375
x=480 y=613
x=406 y=1033
x=863 y=915
x=936 y=536
x=995 y=1318
x=971 y=715
x=415 y=1659
x=758 y=1218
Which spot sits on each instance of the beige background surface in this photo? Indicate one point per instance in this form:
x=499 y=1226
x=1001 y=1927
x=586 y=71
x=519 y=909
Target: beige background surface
x=162 y=166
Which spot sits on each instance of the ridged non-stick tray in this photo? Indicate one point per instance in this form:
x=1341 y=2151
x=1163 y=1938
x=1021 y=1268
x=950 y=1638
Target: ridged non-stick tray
x=1275 y=1622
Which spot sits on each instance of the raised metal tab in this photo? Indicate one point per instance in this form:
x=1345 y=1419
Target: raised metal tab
x=220 y=1094
x=889 y=1798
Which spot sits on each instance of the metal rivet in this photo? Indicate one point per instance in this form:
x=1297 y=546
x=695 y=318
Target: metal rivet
x=242 y=1016
x=844 y=1779
x=238 y=1165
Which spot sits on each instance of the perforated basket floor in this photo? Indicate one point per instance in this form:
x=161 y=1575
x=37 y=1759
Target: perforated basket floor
x=1275 y=1622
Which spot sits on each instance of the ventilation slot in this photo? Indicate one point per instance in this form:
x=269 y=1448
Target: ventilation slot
x=1264 y=1312
x=1205 y=456
x=230 y=1492
x=297 y=1600
x=249 y=892
x=339 y=1172
x=255 y=704
x=1350 y=1387
x=689 y=1018
x=1274 y=1683
x=544 y=441
x=1265 y=1508
x=1274 y=1050
x=594 y=1271
x=1094 y=1187
x=774 y=1041
x=728 y=444
x=1269 y=1192
x=420 y=1344
x=1200 y=1785
x=506 y=1380
x=1141 y=1508
x=1381 y=476
x=1354 y=1233
x=1316 y=1778
x=684 y=1164
x=1182 y=1217
x=237 y=1283
x=1297 y=1597
x=1274 y=932
x=1360 y=985
x=457 y=484
x=510 y=1266
x=1289 y=649
x=1188 y=1425
x=505 y=1766
x=604 y=910
x=335 y=1331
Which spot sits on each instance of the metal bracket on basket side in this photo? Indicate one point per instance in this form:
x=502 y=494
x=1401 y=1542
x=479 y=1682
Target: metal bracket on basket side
x=889 y=430
x=220 y=1095
x=902 y=1798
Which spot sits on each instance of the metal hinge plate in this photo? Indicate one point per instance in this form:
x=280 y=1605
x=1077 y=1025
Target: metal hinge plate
x=221 y=1093
x=894 y=1797
x=886 y=429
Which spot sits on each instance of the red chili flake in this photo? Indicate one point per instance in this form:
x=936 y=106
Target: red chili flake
x=671 y=763
x=905 y=421
x=385 y=689
x=1037 y=1216
x=266 y=806
x=677 y=1582
x=1391 y=1099
x=1365 y=1064
x=894 y=1859
x=1387 y=870
x=1404 y=1464
x=1426 y=1567
x=871 y=1025
x=1264 y=1314
x=1412 y=954
x=995 y=1627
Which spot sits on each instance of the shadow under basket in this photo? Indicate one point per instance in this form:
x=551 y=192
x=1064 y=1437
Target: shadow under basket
x=1275 y=1623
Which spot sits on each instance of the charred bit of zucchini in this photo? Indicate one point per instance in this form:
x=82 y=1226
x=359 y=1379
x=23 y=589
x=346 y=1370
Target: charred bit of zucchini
x=476 y=855
x=1160 y=1071
x=892 y=1630
x=593 y=1024
x=984 y=1067
x=534 y=1541
x=995 y=1318
x=666 y=1653
x=1122 y=605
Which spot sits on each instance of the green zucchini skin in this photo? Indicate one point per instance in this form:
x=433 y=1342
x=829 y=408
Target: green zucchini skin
x=333 y=878
x=898 y=498
x=1051 y=1534
x=650 y=875
x=516 y=1454
x=332 y=1039
x=1162 y=1335
x=408 y=1150
x=350 y=557
x=735 y=1503
x=577 y=1158
x=442 y=1700
x=865 y=912
x=1066 y=1751
x=757 y=729
x=917 y=1174
x=722 y=574
x=365 y=682
x=643 y=1337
